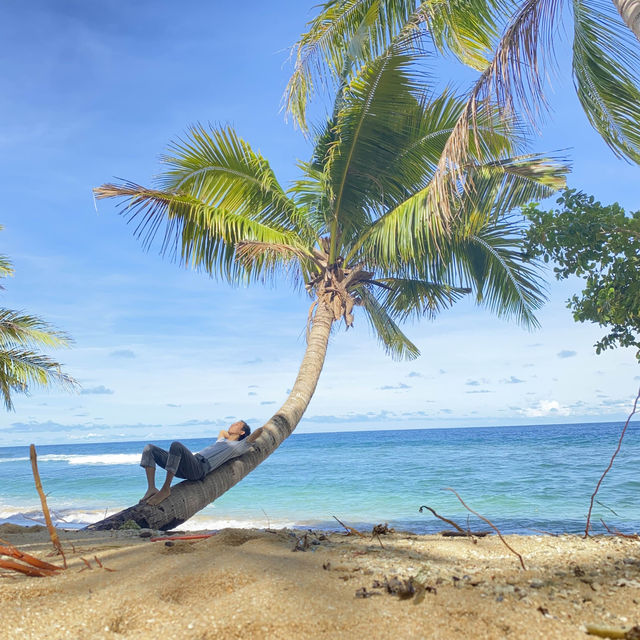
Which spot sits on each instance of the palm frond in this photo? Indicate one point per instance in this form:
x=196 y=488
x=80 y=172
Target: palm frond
x=491 y=261
x=369 y=129
x=349 y=33
x=268 y=259
x=221 y=170
x=512 y=80
x=412 y=232
x=195 y=233
x=606 y=71
x=405 y=298
x=21 y=369
x=6 y=267
x=395 y=343
x=17 y=329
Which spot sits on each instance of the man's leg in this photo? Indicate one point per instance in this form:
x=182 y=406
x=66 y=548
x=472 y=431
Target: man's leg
x=181 y=463
x=152 y=456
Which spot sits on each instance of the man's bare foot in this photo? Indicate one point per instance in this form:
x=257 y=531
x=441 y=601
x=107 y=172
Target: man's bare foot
x=150 y=492
x=157 y=498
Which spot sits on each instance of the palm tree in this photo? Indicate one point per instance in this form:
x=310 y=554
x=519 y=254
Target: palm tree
x=605 y=61
x=21 y=364
x=356 y=230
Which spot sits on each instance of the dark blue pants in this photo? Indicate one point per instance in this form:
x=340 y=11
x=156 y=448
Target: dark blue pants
x=178 y=460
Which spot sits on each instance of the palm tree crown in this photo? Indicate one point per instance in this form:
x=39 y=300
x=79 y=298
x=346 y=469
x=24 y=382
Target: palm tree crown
x=358 y=228
x=21 y=337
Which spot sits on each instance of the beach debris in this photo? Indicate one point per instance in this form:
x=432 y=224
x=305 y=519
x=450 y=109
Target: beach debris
x=302 y=544
x=614 y=532
x=632 y=633
x=363 y=593
x=43 y=500
x=98 y=562
x=613 y=457
x=405 y=589
x=459 y=531
x=29 y=565
x=493 y=526
x=382 y=530
x=194 y=536
x=350 y=530
x=448 y=533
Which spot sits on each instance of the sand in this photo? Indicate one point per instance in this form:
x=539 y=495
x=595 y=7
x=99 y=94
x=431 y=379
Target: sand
x=248 y=584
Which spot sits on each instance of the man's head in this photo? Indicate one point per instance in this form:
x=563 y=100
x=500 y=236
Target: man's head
x=240 y=428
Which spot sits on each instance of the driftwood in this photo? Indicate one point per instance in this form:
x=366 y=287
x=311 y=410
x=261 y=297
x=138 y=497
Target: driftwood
x=493 y=526
x=459 y=531
x=613 y=457
x=447 y=533
x=32 y=566
x=43 y=500
x=350 y=530
x=615 y=532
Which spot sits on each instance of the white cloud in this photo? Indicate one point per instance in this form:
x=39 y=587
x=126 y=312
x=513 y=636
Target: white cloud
x=546 y=408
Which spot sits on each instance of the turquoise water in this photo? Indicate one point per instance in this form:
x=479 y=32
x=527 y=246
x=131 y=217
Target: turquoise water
x=522 y=478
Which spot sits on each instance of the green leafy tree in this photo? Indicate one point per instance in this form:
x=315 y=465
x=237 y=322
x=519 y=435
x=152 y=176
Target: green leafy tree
x=22 y=366
x=511 y=43
x=601 y=245
x=356 y=230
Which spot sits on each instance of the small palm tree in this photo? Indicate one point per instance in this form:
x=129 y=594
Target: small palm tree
x=22 y=366
x=512 y=67
x=356 y=230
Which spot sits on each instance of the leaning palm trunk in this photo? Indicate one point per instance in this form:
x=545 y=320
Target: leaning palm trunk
x=629 y=10
x=187 y=498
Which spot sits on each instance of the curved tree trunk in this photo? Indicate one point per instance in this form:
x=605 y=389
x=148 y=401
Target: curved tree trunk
x=629 y=10
x=188 y=497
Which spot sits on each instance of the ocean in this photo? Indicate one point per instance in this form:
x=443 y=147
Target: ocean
x=522 y=478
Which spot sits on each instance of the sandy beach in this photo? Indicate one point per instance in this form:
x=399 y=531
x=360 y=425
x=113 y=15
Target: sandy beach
x=248 y=583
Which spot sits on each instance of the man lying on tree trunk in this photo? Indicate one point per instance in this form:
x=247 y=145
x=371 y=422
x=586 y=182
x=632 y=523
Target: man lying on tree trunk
x=179 y=462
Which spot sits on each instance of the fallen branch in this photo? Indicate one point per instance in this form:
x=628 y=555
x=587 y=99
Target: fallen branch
x=451 y=522
x=613 y=457
x=615 y=532
x=7 y=549
x=350 y=530
x=45 y=509
x=459 y=532
x=464 y=534
x=493 y=526
x=26 y=569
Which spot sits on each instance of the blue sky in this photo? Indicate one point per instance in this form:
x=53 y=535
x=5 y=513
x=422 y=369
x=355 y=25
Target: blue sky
x=93 y=91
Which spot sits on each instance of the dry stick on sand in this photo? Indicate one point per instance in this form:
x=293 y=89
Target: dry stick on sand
x=37 y=567
x=26 y=569
x=350 y=530
x=467 y=533
x=493 y=526
x=613 y=457
x=45 y=509
x=615 y=532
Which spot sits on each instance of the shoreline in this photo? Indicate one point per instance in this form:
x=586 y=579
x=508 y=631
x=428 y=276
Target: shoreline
x=243 y=583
